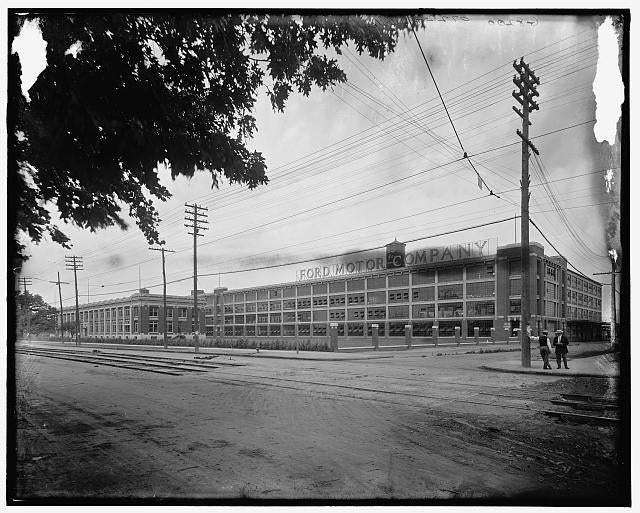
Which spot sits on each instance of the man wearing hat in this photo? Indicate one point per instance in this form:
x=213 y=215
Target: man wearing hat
x=560 y=342
x=545 y=348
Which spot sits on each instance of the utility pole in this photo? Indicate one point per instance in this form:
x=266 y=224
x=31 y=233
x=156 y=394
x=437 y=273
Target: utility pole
x=60 y=296
x=197 y=224
x=74 y=263
x=25 y=282
x=164 y=292
x=614 y=319
x=526 y=83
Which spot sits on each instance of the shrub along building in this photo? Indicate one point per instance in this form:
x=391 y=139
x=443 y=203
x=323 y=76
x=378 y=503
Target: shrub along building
x=139 y=316
x=455 y=288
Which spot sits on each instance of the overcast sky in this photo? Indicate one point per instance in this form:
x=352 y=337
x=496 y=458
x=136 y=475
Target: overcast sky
x=341 y=164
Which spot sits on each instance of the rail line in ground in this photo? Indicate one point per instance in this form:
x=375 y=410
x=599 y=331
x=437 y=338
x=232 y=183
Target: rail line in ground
x=124 y=362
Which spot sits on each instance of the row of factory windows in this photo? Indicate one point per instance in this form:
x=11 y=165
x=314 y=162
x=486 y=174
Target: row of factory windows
x=421 y=311
x=155 y=326
x=120 y=313
x=577 y=298
x=445 y=292
x=481 y=271
x=358 y=329
x=574 y=313
x=574 y=282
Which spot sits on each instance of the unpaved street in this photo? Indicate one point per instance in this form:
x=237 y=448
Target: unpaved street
x=413 y=426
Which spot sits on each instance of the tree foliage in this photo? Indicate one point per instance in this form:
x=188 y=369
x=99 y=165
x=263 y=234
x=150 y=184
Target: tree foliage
x=43 y=315
x=125 y=92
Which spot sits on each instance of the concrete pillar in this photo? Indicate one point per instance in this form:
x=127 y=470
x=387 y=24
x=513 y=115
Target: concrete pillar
x=476 y=334
x=333 y=335
x=434 y=332
x=374 y=336
x=408 y=335
x=507 y=333
x=457 y=335
x=493 y=335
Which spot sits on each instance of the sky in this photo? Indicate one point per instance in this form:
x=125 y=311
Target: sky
x=372 y=160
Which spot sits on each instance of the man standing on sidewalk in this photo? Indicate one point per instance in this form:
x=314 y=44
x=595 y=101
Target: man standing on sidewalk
x=560 y=342
x=545 y=348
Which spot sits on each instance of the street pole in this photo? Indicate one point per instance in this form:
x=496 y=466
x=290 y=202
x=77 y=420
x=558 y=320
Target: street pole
x=164 y=293
x=526 y=83
x=25 y=282
x=60 y=296
x=198 y=224
x=613 y=321
x=74 y=263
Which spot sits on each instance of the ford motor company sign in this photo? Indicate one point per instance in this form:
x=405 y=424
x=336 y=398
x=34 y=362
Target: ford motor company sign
x=396 y=257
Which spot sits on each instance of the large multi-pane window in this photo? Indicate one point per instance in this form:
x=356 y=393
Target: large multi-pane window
x=263 y=294
x=250 y=307
x=289 y=292
x=239 y=308
x=238 y=297
x=376 y=313
x=319 y=289
x=275 y=293
x=399 y=312
x=376 y=298
x=450 y=274
x=423 y=277
x=423 y=294
x=514 y=267
x=398 y=280
x=515 y=287
x=288 y=330
x=399 y=296
x=275 y=305
x=304 y=316
x=319 y=330
x=448 y=328
x=319 y=302
x=289 y=304
x=450 y=310
x=450 y=291
x=263 y=306
x=304 y=290
x=337 y=300
x=336 y=286
x=275 y=318
x=319 y=315
x=355 y=329
x=380 y=328
x=377 y=282
x=479 y=271
x=263 y=318
x=153 y=326
x=289 y=317
x=484 y=326
x=355 y=299
x=422 y=329
x=423 y=311
x=481 y=289
x=514 y=307
x=481 y=308
x=354 y=285
x=304 y=303
x=550 y=290
x=355 y=313
x=336 y=315
x=251 y=295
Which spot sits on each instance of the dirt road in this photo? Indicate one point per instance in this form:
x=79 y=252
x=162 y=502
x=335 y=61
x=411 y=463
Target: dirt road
x=409 y=427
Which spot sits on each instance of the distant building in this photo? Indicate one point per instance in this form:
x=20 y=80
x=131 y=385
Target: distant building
x=460 y=286
x=138 y=316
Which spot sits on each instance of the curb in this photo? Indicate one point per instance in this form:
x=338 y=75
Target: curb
x=544 y=373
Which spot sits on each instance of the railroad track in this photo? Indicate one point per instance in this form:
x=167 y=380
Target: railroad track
x=157 y=365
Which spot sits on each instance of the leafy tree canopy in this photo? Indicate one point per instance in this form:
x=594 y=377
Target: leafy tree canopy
x=43 y=315
x=125 y=92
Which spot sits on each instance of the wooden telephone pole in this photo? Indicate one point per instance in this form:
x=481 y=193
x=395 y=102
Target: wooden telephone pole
x=164 y=292
x=197 y=224
x=526 y=83
x=60 y=296
x=614 y=319
x=25 y=282
x=74 y=263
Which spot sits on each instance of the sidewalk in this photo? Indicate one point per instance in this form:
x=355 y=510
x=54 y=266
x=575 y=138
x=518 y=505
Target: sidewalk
x=221 y=351
x=600 y=366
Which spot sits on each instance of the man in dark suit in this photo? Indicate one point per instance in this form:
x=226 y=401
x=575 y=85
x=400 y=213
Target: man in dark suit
x=544 y=349
x=560 y=342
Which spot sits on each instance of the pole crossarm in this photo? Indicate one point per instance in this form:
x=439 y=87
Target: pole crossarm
x=535 y=150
